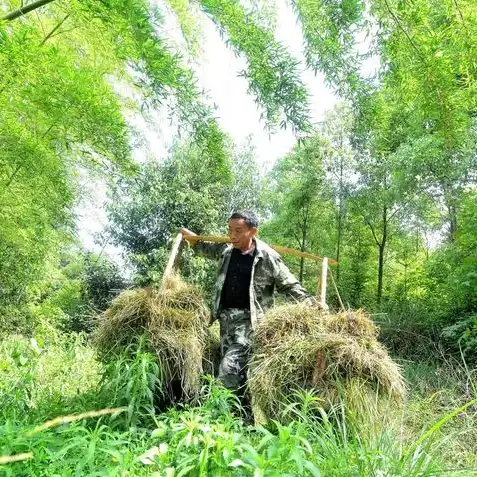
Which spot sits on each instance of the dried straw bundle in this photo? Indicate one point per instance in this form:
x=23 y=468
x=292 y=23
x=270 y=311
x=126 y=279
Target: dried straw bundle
x=337 y=355
x=174 y=320
x=211 y=358
x=126 y=318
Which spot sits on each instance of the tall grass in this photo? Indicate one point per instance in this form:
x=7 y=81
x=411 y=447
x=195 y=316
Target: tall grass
x=134 y=380
x=42 y=375
x=440 y=391
x=45 y=379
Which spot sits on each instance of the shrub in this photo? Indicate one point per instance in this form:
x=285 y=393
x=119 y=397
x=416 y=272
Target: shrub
x=462 y=338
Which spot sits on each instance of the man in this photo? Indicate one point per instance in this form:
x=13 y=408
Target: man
x=249 y=271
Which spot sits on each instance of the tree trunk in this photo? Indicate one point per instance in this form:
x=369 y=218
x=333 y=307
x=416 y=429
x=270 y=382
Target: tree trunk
x=452 y=221
x=450 y=203
x=302 y=259
x=405 y=281
x=381 y=249
x=340 y=222
x=340 y=213
x=338 y=247
x=304 y=233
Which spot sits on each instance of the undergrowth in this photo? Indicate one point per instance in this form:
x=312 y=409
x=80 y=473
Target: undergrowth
x=56 y=375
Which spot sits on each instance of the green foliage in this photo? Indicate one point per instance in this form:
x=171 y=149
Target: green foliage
x=428 y=46
x=246 y=189
x=58 y=113
x=300 y=200
x=357 y=265
x=41 y=374
x=427 y=95
x=329 y=29
x=102 y=281
x=195 y=445
x=272 y=73
x=385 y=174
x=54 y=299
x=83 y=285
x=462 y=337
x=449 y=280
x=60 y=377
x=147 y=211
x=132 y=379
x=191 y=29
x=76 y=287
x=136 y=40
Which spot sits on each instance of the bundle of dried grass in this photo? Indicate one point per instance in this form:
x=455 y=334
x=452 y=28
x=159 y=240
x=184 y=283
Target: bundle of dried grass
x=211 y=358
x=126 y=318
x=174 y=320
x=337 y=355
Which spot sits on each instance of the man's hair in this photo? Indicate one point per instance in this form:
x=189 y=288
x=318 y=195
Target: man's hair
x=249 y=217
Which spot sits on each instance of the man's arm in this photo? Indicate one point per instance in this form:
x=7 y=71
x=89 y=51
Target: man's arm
x=205 y=249
x=287 y=283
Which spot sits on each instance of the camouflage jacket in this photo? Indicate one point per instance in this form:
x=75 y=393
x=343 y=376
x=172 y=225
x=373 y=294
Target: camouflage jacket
x=268 y=272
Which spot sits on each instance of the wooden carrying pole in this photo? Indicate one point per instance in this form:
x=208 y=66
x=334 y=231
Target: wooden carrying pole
x=174 y=256
x=324 y=277
x=277 y=248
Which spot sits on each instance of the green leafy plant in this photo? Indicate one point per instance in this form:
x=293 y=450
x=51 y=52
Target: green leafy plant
x=132 y=379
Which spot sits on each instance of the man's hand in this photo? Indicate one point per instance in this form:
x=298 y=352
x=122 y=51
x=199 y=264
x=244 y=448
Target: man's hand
x=312 y=301
x=188 y=233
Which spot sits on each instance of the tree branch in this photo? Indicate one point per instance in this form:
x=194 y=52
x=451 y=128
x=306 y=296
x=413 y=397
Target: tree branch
x=462 y=19
x=370 y=225
x=398 y=23
x=23 y=10
x=47 y=37
x=393 y=214
x=39 y=20
x=297 y=238
x=48 y=130
x=10 y=180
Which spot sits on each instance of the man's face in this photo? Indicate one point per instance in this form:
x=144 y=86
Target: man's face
x=240 y=234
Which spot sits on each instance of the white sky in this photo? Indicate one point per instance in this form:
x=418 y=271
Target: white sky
x=217 y=73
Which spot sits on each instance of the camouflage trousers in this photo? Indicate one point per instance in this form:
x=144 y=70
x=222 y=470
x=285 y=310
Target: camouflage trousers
x=235 y=341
